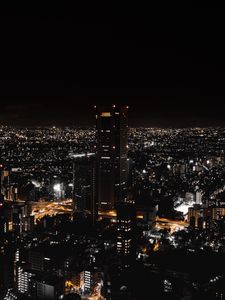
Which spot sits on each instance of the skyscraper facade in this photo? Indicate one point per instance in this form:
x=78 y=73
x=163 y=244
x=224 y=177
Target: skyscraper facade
x=126 y=216
x=112 y=165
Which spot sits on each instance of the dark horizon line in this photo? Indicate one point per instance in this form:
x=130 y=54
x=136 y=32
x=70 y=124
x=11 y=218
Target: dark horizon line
x=132 y=127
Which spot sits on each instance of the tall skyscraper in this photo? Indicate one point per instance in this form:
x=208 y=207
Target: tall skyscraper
x=112 y=165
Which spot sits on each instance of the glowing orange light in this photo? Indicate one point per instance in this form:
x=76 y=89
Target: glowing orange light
x=105 y=114
x=140 y=216
x=156 y=247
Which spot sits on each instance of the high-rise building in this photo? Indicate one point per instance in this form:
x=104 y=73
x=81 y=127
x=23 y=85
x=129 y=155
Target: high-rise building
x=7 y=268
x=23 y=281
x=6 y=218
x=112 y=164
x=8 y=190
x=4 y=179
x=84 y=186
x=198 y=197
x=126 y=217
x=50 y=287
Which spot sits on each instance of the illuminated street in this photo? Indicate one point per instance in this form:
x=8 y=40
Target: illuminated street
x=171 y=225
x=41 y=209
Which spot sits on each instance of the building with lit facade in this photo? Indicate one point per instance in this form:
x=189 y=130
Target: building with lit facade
x=126 y=217
x=1 y=183
x=112 y=164
x=24 y=279
x=8 y=191
x=203 y=217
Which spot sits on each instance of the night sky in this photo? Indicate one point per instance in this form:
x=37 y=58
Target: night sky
x=168 y=66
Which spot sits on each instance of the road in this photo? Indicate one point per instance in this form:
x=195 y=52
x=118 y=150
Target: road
x=173 y=225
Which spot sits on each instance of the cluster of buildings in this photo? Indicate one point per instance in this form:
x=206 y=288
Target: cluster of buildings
x=200 y=216
x=82 y=211
x=42 y=271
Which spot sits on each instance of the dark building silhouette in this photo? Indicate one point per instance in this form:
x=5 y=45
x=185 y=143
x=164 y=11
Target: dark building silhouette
x=72 y=296
x=2 y=182
x=112 y=164
x=84 y=190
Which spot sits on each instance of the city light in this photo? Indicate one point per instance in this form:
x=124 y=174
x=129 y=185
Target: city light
x=57 y=187
x=53 y=204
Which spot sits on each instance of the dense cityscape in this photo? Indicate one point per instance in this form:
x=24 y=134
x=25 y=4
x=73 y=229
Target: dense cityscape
x=112 y=212
x=112 y=151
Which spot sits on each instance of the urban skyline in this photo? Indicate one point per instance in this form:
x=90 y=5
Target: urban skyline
x=112 y=153
x=49 y=206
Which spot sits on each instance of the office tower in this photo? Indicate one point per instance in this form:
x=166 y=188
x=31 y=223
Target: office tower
x=126 y=216
x=12 y=193
x=6 y=268
x=38 y=261
x=28 y=224
x=84 y=187
x=195 y=215
x=6 y=219
x=2 y=182
x=21 y=218
x=50 y=287
x=8 y=191
x=94 y=206
x=83 y=176
x=112 y=165
x=23 y=280
x=87 y=278
x=198 y=197
x=42 y=259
